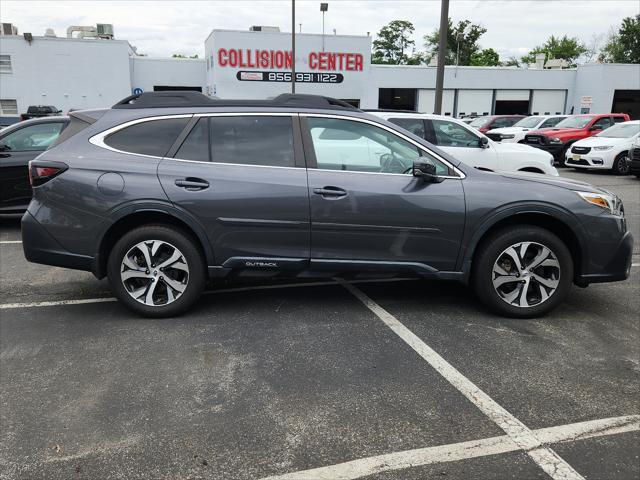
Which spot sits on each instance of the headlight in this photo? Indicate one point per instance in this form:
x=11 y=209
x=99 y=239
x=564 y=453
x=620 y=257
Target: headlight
x=604 y=200
x=555 y=140
x=502 y=135
x=603 y=148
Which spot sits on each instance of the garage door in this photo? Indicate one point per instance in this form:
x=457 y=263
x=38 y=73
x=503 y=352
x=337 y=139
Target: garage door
x=426 y=100
x=548 y=102
x=474 y=102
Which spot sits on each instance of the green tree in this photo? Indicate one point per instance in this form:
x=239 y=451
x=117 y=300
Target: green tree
x=485 y=58
x=512 y=62
x=393 y=43
x=468 y=35
x=566 y=48
x=623 y=46
x=179 y=55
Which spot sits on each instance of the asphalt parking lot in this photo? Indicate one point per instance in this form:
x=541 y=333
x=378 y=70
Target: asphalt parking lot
x=377 y=380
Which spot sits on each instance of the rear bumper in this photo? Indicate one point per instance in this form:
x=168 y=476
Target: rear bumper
x=40 y=247
x=618 y=268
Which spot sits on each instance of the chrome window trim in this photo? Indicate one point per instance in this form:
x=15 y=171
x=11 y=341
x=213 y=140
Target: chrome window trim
x=98 y=138
x=460 y=173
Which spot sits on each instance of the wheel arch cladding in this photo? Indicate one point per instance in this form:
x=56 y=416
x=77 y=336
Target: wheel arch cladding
x=555 y=225
x=141 y=218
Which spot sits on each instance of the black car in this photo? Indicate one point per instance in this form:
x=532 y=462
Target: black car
x=166 y=189
x=19 y=144
x=39 y=111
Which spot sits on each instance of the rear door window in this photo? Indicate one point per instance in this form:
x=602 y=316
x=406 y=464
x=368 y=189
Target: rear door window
x=252 y=140
x=153 y=137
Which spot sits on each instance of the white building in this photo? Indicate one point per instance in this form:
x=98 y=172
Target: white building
x=95 y=73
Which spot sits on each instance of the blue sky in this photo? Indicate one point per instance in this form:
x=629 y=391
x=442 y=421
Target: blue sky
x=161 y=28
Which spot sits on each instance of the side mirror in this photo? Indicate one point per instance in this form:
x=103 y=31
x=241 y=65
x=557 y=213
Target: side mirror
x=483 y=142
x=4 y=148
x=595 y=128
x=424 y=168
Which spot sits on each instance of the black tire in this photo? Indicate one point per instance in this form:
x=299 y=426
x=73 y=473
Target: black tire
x=563 y=156
x=174 y=237
x=621 y=164
x=491 y=250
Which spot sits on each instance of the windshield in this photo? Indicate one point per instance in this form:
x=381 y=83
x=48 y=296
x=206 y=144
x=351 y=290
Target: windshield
x=621 y=130
x=574 y=122
x=480 y=122
x=528 y=122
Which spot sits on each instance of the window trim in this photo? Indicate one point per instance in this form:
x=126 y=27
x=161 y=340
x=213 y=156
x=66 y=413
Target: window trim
x=311 y=152
x=98 y=138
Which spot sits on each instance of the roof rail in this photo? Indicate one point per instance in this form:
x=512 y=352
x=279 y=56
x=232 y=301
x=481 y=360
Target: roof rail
x=196 y=99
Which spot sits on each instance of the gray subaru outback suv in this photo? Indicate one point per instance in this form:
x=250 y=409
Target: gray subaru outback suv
x=166 y=189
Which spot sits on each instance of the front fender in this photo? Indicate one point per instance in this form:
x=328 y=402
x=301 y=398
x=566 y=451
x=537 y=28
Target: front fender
x=526 y=210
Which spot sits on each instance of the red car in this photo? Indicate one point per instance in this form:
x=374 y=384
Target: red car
x=489 y=122
x=558 y=139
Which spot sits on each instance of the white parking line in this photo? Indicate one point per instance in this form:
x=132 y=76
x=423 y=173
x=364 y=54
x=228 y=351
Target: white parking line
x=460 y=451
x=10 y=241
x=83 y=301
x=519 y=433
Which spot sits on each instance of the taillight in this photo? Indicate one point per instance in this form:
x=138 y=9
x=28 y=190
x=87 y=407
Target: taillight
x=42 y=172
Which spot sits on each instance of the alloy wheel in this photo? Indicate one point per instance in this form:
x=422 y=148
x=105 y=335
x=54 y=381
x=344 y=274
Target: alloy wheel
x=624 y=164
x=526 y=274
x=154 y=272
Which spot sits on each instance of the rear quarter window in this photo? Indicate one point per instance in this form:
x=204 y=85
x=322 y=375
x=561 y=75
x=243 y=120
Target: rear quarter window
x=152 y=137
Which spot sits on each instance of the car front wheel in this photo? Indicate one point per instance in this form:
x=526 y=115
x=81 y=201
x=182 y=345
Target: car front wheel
x=621 y=164
x=156 y=271
x=522 y=272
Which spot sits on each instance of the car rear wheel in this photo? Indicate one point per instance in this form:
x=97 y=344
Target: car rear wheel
x=621 y=164
x=522 y=272
x=156 y=271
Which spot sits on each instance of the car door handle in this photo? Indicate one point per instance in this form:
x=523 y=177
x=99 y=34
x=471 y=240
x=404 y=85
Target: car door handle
x=330 y=192
x=192 y=183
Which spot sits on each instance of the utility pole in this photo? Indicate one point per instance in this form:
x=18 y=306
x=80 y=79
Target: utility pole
x=293 y=46
x=442 y=51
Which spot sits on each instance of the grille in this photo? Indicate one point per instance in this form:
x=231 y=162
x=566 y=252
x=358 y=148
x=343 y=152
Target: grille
x=581 y=150
x=536 y=139
x=635 y=154
x=577 y=162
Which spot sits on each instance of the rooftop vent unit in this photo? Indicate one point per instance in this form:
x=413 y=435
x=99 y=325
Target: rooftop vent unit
x=50 y=33
x=8 y=29
x=264 y=28
x=556 y=64
x=105 y=30
x=84 y=31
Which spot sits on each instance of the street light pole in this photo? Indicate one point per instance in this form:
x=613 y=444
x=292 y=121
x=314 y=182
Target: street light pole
x=324 y=7
x=442 y=50
x=293 y=46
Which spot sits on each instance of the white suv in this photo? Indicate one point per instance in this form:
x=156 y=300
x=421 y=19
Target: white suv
x=608 y=150
x=517 y=132
x=469 y=145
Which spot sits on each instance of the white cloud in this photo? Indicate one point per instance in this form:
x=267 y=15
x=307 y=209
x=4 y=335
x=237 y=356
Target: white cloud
x=161 y=28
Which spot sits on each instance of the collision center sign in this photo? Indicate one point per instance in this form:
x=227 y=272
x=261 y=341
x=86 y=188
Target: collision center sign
x=282 y=60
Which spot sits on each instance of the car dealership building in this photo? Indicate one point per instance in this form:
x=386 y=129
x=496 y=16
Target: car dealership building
x=81 y=73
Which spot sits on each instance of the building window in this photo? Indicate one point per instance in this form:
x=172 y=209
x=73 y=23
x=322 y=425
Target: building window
x=397 y=98
x=5 y=63
x=8 y=107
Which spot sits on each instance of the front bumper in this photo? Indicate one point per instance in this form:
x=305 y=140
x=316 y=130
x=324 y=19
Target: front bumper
x=557 y=150
x=602 y=160
x=618 y=268
x=40 y=247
